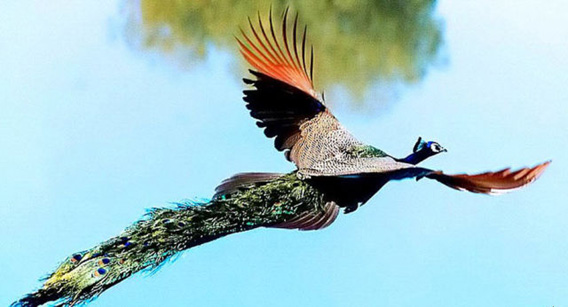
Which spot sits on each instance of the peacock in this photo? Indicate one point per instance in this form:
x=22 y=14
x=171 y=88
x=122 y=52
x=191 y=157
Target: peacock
x=334 y=172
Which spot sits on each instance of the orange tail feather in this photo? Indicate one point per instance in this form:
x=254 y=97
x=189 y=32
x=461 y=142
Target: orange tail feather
x=491 y=182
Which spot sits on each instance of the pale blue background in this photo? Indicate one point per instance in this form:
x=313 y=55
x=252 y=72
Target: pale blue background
x=92 y=132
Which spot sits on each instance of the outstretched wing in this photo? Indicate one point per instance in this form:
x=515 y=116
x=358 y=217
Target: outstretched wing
x=284 y=100
x=491 y=182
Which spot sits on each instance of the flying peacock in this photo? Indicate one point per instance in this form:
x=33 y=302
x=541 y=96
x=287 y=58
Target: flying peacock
x=334 y=171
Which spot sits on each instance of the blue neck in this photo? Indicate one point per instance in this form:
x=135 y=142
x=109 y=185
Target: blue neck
x=415 y=158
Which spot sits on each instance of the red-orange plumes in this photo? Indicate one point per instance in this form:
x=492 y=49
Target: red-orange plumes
x=492 y=182
x=274 y=57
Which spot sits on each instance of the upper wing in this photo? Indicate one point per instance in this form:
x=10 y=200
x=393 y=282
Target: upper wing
x=280 y=109
x=284 y=101
x=267 y=56
x=491 y=182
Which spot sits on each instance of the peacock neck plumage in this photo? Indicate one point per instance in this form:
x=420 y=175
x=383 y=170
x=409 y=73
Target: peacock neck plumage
x=416 y=157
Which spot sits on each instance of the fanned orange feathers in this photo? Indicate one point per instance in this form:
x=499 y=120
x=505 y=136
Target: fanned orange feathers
x=492 y=182
x=274 y=57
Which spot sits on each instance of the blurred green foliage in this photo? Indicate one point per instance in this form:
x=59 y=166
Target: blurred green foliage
x=356 y=43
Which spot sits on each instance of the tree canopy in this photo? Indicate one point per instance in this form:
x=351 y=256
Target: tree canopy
x=356 y=43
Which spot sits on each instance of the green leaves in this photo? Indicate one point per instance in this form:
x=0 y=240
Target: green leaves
x=356 y=43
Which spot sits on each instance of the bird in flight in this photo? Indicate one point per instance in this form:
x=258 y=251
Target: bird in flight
x=334 y=172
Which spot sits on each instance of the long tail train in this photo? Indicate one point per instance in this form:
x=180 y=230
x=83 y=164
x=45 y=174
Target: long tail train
x=244 y=202
x=145 y=245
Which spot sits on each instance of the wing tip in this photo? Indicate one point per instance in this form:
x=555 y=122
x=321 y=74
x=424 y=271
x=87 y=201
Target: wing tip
x=535 y=172
x=493 y=183
x=266 y=54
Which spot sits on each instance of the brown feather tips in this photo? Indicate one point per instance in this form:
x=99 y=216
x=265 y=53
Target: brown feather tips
x=312 y=220
x=276 y=56
x=493 y=183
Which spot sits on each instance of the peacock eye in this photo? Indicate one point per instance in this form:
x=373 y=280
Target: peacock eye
x=436 y=147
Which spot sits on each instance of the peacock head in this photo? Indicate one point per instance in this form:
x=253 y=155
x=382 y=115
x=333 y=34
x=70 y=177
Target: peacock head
x=428 y=149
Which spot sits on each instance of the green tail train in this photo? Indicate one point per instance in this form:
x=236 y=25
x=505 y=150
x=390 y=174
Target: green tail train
x=242 y=203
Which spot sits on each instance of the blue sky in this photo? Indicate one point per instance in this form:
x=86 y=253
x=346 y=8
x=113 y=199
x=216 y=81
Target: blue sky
x=93 y=133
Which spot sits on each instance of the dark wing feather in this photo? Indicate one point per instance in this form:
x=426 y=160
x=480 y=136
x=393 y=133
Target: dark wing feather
x=315 y=220
x=280 y=109
x=491 y=182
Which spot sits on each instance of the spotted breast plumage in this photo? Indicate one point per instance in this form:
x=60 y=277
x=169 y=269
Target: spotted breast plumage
x=334 y=171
